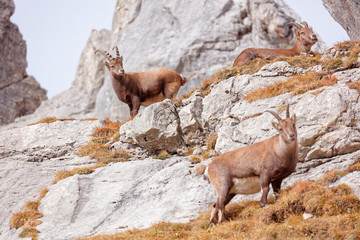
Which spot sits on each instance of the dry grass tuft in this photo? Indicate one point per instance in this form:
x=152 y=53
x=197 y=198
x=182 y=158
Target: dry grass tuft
x=354 y=85
x=99 y=146
x=195 y=160
x=334 y=175
x=81 y=171
x=28 y=219
x=51 y=120
x=298 y=84
x=163 y=155
x=211 y=141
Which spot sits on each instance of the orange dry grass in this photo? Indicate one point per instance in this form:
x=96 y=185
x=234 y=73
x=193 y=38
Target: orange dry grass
x=354 y=85
x=99 y=146
x=336 y=216
x=52 y=119
x=297 y=85
x=334 y=175
x=28 y=218
x=81 y=171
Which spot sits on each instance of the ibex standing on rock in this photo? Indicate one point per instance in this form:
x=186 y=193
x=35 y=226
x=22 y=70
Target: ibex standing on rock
x=305 y=39
x=143 y=88
x=249 y=169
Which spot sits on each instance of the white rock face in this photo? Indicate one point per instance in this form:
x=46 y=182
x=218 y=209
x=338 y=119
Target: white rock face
x=124 y=196
x=31 y=156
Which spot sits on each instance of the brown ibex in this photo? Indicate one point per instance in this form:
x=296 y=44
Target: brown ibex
x=142 y=88
x=249 y=169
x=305 y=39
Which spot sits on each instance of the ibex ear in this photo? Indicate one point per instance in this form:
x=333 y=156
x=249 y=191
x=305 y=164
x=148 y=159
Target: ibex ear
x=294 y=118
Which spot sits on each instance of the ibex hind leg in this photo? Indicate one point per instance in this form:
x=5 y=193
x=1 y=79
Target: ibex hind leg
x=171 y=89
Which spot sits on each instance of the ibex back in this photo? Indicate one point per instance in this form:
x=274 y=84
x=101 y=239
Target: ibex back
x=143 y=88
x=305 y=39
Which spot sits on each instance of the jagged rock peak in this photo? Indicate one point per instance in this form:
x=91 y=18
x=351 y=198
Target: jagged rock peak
x=20 y=94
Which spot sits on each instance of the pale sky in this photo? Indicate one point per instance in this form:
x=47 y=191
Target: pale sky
x=56 y=33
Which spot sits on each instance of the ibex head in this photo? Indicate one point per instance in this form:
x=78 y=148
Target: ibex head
x=286 y=127
x=114 y=65
x=304 y=33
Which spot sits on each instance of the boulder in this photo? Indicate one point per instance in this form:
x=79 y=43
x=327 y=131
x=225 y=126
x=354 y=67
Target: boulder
x=190 y=120
x=155 y=128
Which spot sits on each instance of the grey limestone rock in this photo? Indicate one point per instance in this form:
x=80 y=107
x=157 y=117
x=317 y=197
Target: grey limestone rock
x=20 y=94
x=347 y=14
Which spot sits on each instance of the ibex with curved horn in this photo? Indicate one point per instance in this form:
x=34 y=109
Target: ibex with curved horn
x=249 y=169
x=305 y=39
x=143 y=88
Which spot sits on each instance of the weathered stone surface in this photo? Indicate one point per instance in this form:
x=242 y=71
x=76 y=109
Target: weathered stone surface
x=347 y=14
x=137 y=194
x=156 y=128
x=124 y=196
x=31 y=156
x=190 y=120
x=80 y=99
x=20 y=94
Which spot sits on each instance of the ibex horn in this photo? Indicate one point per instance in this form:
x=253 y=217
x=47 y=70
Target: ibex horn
x=298 y=26
x=274 y=114
x=117 y=51
x=287 y=111
x=105 y=54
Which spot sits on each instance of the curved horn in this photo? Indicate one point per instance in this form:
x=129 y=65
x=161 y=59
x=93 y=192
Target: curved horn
x=274 y=114
x=117 y=51
x=305 y=24
x=296 y=25
x=105 y=54
x=287 y=111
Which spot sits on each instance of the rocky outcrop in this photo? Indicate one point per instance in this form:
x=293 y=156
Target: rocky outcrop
x=137 y=194
x=347 y=14
x=174 y=35
x=20 y=94
x=124 y=196
x=80 y=99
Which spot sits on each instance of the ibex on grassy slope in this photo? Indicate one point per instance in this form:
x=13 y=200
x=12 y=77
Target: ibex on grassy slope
x=249 y=169
x=143 y=88
x=305 y=39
